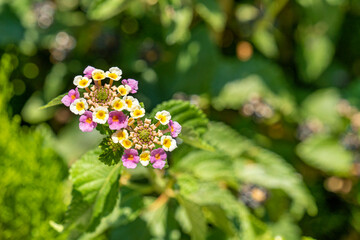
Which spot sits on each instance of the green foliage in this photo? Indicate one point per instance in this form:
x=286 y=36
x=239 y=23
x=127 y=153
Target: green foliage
x=98 y=186
x=265 y=168
x=192 y=119
x=54 y=102
x=325 y=152
x=298 y=58
x=111 y=153
x=32 y=173
x=186 y=114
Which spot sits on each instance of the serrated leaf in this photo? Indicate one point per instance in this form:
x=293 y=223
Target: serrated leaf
x=191 y=137
x=127 y=209
x=206 y=165
x=268 y=169
x=226 y=139
x=207 y=193
x=98 y=185
x=324 y=152
x=196 y=219
x=188 y=115
x=111 y=153
x=54 y=102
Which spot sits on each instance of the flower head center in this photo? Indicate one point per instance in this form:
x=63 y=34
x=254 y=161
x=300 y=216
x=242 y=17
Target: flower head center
x=144 y=135
x=258 y=195
x=157 y=156
x=89 y=120
x=73 y=97
x=131 y=157
x=101 y=95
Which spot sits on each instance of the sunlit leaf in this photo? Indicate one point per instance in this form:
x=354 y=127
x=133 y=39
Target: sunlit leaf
x=54 y=102
x=325 y=153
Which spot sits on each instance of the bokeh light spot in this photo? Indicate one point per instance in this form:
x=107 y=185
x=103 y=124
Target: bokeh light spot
x=30 y=70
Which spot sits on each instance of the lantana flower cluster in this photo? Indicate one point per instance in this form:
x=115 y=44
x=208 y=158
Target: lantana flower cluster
x=143 y=140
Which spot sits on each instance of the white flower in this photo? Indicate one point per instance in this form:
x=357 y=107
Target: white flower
x=100 y=115
x=118 y=104
x=145 y=158
x=81 y=82
x=126 y=143
x=98 y=74
x=130 y=103
x=79 y=106
x=137 y=112
x=124 y=90
x=163 y=117
x=168 y=143
x=119 y=135
x=114 y=73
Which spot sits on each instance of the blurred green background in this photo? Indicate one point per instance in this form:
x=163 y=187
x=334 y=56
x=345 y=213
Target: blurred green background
x=285 y=74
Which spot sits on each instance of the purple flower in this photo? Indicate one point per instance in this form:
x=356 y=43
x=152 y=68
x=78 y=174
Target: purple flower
x=130 y=158
x=68 y=99
x=88 y=71
x=86 y=122
x=132 y=83
x=157 y=158
x=117 y=120
x=175 y=128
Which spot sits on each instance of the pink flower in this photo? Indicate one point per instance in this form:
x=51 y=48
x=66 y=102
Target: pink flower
x=68 y=99
x=157 y=158
x=117 y=120
x=88 y=71
x=130 y=158
x=132 y=83
x=175 y=128
x=86 y=122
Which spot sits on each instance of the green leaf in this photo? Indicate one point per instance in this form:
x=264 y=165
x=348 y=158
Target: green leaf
x=226 y=139
x=54 y=102
x=268 y=169
x=212 y=14
x=208 y=194
x=236 y=82
x=188 y=115
x=192 y=138
x=196 y=218
x=324 y=152
x=181 y=21
x=218 y=217
x=77 y=215
x=127 y=209
x=105 y=9
x=98 y=185
x=321 y=105
x=206 y=165
x=111 y=152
